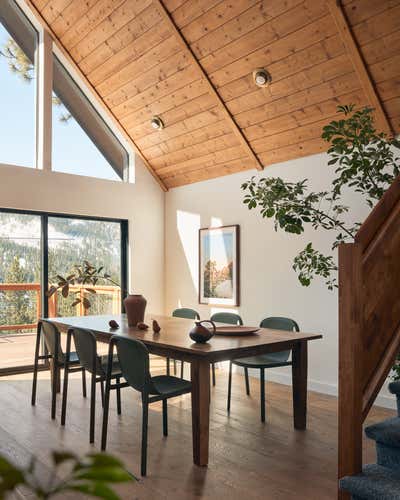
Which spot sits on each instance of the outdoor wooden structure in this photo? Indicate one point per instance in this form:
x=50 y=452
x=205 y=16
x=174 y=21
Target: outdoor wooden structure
x=114 y=291
x=369 y=322
x=191 y=63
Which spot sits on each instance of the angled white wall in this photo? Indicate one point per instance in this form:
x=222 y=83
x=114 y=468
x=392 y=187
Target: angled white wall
x=141 y=203
x=269 y=286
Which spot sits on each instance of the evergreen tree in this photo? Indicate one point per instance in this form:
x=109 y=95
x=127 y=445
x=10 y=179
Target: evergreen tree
x=17 y=306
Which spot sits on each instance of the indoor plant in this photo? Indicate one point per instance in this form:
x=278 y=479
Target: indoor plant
x=364 y=161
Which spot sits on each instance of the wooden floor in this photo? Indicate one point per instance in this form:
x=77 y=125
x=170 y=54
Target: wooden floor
x=248 y=460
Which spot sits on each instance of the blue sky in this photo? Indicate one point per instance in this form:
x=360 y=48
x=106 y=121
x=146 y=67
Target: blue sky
x=73 y=152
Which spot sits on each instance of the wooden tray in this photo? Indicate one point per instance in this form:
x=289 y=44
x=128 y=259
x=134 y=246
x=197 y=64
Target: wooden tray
x=236 y=330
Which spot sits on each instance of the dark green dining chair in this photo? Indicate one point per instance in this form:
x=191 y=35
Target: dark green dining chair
x=51 y=336
x=186 y=313
x=134 y=361
x=264 y=361
x=230 y=319
x=86 y=349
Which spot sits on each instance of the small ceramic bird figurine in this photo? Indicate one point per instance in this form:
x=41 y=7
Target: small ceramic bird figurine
x=156 y=327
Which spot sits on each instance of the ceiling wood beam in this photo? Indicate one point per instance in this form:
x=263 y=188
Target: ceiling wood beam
x=94 y=93
x=211 y=89
x=354 y=53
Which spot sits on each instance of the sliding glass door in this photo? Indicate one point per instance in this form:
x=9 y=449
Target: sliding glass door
x=20 y=289
x=36 y=249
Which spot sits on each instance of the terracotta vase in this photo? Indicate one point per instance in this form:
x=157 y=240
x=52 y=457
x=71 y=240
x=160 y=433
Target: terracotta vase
x=135 y=305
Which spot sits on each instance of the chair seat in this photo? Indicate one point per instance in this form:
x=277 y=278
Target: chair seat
x=167 y=385
x=116 y=368
x=262 y=361
x=73 y=358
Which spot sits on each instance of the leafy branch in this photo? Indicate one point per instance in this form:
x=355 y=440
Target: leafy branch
x=81 y=274
x=364 y=161
x=90 y=476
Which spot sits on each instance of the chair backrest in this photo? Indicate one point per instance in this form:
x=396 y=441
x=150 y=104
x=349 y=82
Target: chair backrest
x=51 y=335
x=227 y=317
x=134 y=362
x=280 y=323
x=86 y=349
x=185 y=312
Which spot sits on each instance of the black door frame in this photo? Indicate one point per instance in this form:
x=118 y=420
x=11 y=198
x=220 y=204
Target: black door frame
x=44 y=255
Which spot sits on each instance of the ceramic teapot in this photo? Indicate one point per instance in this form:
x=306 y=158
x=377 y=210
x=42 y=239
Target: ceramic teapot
x=200 y=333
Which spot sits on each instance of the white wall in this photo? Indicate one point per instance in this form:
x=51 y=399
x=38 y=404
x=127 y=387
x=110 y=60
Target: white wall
x=269 y=287
x=141 y=203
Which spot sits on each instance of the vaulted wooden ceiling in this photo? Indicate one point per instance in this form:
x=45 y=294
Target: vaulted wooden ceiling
x=191 y=63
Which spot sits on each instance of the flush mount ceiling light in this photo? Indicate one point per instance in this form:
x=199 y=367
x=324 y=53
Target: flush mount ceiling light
x=157 y=123
x=261 y=77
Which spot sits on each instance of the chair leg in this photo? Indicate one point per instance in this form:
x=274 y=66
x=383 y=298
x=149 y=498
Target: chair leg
x=182 y=363
x=64 y=397
x=229 y=386
x=213 y=373
x=92 y=408
x=102 y=393
x=84 y=394
x=168 y=366
x=54 y=384
x=35 y=367
x=246 y=377
x=118 y=397
x=262 y=392
x=165 y=416
x=145 y=418
x=105 y=414
x=66 y=376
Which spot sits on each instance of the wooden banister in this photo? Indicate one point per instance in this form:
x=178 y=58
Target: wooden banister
x=369 y=322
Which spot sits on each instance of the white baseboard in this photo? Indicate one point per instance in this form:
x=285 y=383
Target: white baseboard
x=384 y=400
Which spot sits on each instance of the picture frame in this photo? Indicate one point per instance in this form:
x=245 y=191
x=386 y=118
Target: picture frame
x=219 y=265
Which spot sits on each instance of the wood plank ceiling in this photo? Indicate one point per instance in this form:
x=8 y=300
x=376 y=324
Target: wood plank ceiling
x=191 y=63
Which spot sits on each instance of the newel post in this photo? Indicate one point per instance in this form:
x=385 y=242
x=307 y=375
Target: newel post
x=350 y=361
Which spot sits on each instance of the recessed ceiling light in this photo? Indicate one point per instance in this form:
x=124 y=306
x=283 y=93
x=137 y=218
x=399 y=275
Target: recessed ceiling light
x=261 y=77
x=157 y=123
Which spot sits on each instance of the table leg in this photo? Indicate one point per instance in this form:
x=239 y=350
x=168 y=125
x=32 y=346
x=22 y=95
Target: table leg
x=200 y=376
x=299 y=384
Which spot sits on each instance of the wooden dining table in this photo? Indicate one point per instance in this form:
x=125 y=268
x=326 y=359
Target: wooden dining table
x=173 y=341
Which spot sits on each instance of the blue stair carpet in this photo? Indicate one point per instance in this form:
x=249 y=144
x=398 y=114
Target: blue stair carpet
x=374 y=483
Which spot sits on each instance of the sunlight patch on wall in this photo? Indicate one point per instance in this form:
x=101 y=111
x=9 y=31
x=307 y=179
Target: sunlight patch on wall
x=188 y=225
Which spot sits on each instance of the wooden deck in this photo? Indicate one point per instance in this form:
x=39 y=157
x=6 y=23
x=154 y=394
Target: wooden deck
x=247 y=459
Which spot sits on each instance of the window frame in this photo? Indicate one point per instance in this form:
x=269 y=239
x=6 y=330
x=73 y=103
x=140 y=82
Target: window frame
x=45 y=51
x=44 y=255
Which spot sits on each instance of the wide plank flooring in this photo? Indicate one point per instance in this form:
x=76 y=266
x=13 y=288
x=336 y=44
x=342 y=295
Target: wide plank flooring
x=248 y=459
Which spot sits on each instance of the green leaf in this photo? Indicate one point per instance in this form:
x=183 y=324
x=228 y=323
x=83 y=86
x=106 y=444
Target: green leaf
x=10 y=476
x=97 y=489
x=109 y=474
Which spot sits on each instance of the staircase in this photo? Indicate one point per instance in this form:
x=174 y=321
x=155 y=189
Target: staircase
x=380 y=481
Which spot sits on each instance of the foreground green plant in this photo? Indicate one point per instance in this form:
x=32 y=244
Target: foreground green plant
x=90 y=476
x=364 y=162
x=85 y=274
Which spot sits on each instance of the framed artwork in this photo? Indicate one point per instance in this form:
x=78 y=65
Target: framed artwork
x=219 y=266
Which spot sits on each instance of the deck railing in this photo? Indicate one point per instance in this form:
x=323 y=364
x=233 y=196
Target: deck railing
x=369 y=322
x=114 y=291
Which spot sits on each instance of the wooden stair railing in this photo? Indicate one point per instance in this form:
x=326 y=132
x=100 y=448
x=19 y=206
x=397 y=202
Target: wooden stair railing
x=369 y=322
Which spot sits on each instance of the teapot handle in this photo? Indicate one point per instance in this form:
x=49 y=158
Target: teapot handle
x=208 y=321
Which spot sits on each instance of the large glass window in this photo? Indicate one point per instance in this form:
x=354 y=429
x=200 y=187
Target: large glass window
x=79 y=140
x=18 y=41
x=36 y=251
x=82 y=143
x=71 y=242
